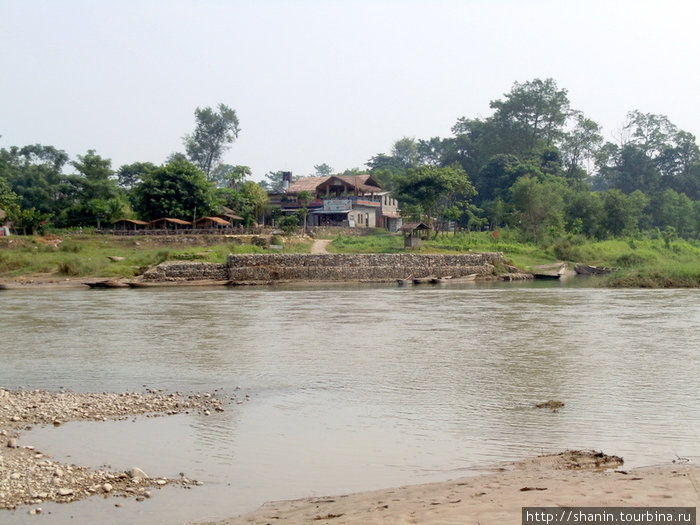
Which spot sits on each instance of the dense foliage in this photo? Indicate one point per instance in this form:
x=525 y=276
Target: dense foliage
x=535 y=165
x=542 y=167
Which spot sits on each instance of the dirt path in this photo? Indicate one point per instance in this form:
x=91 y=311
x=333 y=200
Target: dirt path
x=319 y=246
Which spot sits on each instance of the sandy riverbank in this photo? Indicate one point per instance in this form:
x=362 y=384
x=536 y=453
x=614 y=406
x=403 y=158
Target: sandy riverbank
x=29 y=477
x=566 y=479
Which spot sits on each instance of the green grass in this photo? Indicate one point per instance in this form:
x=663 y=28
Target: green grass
x=89 y=255
x=642 y=262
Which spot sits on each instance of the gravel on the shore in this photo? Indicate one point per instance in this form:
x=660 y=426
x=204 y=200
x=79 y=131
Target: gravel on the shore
x=30 y=477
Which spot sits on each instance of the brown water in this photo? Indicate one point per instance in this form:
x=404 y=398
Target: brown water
x=354 y=387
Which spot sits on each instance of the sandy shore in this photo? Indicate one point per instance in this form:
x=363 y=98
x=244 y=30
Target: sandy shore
x=566 y=479
x=30 y=477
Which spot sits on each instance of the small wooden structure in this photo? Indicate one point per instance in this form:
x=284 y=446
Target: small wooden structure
x=212 y=223
x=129 y=224
x=414 y=233
x=167 y=223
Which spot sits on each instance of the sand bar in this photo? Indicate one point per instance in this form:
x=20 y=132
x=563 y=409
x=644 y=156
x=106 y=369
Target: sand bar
x=496 y=498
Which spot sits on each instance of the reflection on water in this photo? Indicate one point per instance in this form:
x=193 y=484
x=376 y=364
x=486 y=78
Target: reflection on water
x=356 y=387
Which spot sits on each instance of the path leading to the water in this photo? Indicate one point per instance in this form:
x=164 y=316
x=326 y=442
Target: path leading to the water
x=319 y=246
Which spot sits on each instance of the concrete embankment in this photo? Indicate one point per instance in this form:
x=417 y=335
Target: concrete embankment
x=264 y=268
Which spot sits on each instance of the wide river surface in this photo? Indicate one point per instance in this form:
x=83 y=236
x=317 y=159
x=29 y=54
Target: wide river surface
x=353 y=387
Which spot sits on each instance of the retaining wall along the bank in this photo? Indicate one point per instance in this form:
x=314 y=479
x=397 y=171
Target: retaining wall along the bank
x=187 y=271
x=358 y=267
x=328 y=267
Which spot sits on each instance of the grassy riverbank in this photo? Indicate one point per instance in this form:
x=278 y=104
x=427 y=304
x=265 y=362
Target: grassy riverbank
x=106 y=256
x=641 y=262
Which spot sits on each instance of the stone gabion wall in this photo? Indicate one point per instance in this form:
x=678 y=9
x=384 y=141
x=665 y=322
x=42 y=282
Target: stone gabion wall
x=187 y=271
x=357 y=267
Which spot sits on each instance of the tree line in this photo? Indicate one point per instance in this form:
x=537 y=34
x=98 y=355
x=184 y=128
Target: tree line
x=535 y=164
x=35 y=190
x=543 y=167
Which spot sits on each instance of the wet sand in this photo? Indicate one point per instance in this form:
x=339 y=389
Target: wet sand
x=497 y=498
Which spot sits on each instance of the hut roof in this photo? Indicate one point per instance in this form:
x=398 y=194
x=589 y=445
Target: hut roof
x=217 y=220
x=131 y=221
x=410 y=226
x=228 y=212
x=179 y=222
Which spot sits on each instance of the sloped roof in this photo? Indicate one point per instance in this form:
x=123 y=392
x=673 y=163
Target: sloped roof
x=364 y=183
x=217 y=220
x=410 y=226
x=306 y=184
x=171 y=220
x=132 y=221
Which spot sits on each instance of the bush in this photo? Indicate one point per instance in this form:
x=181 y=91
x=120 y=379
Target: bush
x=629 y=260
x=566 y=250
x=70 y=268
x=70 y=247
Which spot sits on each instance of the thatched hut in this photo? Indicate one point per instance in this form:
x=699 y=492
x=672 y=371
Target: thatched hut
x=212 y=223
x=414 y=233
x=129 y=224
x=168 y=223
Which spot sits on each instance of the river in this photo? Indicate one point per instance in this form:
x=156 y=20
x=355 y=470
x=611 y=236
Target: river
x=353 y=387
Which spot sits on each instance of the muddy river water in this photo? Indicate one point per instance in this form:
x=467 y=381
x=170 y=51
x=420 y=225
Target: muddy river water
x=353 y=387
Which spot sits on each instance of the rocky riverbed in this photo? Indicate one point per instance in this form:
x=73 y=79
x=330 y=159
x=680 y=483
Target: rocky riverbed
x=30 y=477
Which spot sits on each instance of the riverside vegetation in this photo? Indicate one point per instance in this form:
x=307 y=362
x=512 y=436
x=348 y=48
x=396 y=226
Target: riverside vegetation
x=642 y=261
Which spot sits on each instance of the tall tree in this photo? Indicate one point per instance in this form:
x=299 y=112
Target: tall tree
x=35 y=174
x=532 y=113
x=179 y=190
x=580 y=146
x=98 y=196
x=228 y=176
x=323 y=170
x=539 y=206
x=436 y=193
x=214 y=133
x=131 y=174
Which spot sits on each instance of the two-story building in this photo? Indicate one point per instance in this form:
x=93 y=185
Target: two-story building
x=355 y=201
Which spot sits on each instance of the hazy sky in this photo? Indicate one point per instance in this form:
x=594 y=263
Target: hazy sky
x=334 y=81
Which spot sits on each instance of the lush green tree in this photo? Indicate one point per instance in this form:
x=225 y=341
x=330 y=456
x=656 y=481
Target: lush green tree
x=431 y=152
x=323 y=170
x=35 y=174
x=214 y=133
x=27 y=220
x=405 y=151
x=178 y=190
x=585 y=210
x=539 y=206
x=623 y=212
x=256 y=196
x=531 y=113
x=95 y=187
x=228 y=176
x=130 y=175
x=8 y=198
x=580 y=145
x=435 y=193
x=674 y=209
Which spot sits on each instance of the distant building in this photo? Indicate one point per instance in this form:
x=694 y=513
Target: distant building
x=355 y=201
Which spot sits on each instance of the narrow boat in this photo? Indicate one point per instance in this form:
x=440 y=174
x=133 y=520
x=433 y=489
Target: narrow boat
x=546 y=276
x=584 y=269
x=404 y=282
x=422 y=280
x=106 y=284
